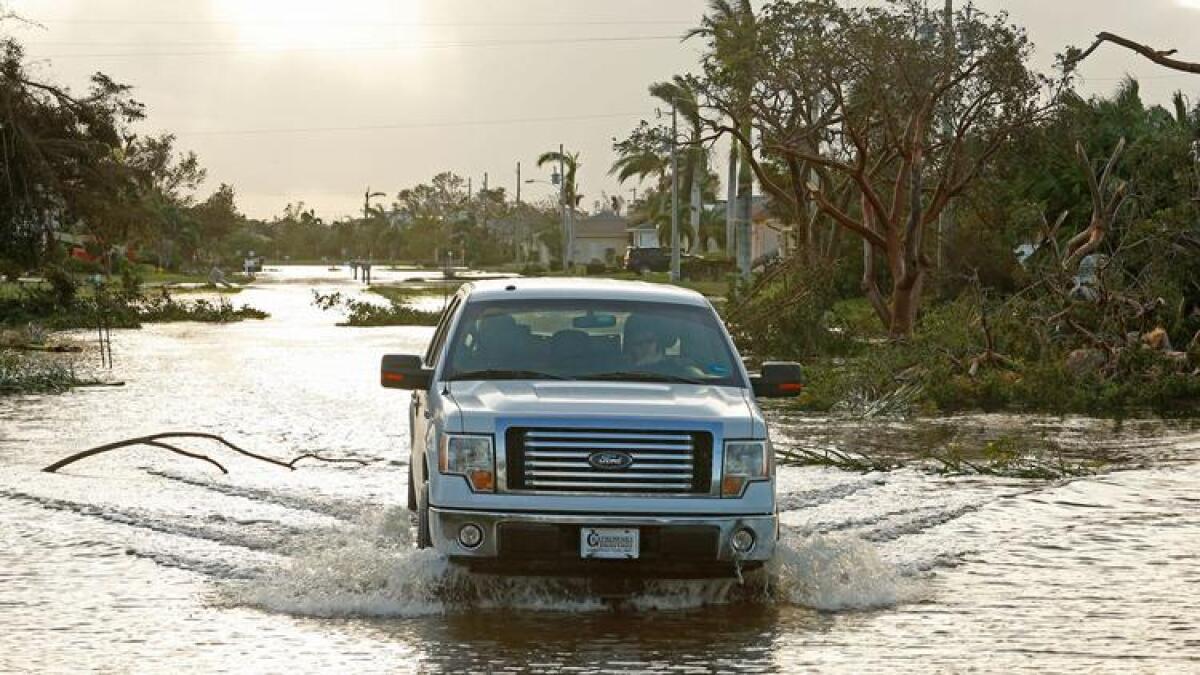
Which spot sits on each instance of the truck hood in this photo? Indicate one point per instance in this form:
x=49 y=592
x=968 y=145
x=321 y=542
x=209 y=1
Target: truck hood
x=482 y=403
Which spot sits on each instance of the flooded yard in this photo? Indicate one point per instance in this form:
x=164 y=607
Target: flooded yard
x=139 y=560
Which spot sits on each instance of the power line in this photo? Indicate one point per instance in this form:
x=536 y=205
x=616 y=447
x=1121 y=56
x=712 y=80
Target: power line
x=398 y=47
x=412 y=24
x=455 y=43
x=390 y=127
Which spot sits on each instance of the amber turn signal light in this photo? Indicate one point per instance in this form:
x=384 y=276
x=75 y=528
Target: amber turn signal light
x=731 y=486
x=482 y=481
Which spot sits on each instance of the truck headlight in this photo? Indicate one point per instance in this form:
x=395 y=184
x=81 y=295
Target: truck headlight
x=471 y=457
x=745 y=461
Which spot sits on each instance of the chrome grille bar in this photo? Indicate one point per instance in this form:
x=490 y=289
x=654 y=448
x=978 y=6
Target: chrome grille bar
x=599 y=487
x=558 y=461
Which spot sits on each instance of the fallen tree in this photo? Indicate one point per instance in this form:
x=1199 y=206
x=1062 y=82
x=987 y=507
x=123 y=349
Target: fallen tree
x=154 y=440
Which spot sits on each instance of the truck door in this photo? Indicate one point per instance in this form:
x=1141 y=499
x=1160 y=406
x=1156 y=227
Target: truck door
x=420 y=414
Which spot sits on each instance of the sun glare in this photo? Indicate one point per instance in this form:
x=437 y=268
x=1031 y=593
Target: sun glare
x=320 y=24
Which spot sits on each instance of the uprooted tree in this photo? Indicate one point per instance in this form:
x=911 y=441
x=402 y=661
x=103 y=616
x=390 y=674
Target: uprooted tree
x=873 y=120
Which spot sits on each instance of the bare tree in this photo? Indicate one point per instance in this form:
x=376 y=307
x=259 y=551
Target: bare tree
x=870 y=97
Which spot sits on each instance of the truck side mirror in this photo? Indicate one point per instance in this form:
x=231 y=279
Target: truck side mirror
x=404 y=371
x=778 y=379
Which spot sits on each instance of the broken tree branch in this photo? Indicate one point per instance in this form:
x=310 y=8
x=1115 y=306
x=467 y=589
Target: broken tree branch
x=1162 y=58
x=154 y=441
x=185 y=453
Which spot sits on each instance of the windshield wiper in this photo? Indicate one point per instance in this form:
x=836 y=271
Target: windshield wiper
x=641 y=376
x=502 y=374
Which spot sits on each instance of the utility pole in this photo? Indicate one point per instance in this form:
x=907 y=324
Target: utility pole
x=674 y=195
x=562 y=198
x=518 y=183
x=485 y=199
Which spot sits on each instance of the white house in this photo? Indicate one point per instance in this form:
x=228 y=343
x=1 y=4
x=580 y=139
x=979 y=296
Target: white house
x=600 y=238
x=643 y=235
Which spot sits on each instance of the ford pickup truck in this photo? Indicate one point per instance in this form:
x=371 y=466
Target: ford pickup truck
x=591 y=426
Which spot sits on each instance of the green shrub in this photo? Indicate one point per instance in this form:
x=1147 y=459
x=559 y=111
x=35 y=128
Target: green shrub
x=63 y=286
x=10 y=270
x=370 y=314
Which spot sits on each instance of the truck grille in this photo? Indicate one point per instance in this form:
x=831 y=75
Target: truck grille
x=566 y=460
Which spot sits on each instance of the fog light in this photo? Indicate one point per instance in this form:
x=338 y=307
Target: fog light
x=743 y=540
x=470 y=535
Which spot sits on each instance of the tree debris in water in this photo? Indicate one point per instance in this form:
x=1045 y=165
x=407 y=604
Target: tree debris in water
x=154 y=440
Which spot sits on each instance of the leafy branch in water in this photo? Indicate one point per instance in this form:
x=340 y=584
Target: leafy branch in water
x=24 y=375
x=53 y=311
x=1007 y=457
x=360 y=313
x=829 y=457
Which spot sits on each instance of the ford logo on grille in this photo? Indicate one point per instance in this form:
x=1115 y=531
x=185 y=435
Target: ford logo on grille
x=607 y=460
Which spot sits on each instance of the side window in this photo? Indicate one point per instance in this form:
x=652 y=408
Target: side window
x=439 y=335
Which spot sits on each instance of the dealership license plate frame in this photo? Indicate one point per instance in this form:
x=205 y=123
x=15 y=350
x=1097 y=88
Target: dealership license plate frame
x=610 y=543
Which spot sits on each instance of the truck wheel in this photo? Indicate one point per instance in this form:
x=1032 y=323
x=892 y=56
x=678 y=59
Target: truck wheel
x=412 y=491
x=424 y=540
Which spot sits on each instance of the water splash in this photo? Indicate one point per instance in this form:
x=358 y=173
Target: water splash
x=370 y=568
x=832 y=573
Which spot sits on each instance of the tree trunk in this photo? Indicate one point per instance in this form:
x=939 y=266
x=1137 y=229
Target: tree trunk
x=745 y=211
x=731 y=201
x=697 y=178
x=906 y=300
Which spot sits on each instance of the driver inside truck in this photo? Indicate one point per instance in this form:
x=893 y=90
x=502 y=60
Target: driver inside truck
x=645 y=341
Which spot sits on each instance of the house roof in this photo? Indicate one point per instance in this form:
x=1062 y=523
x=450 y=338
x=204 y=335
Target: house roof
x=606 y=225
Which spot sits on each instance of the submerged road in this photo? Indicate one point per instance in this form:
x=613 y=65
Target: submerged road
x=139 y=560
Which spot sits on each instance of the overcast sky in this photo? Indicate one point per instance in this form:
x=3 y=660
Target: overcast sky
x=314 y=100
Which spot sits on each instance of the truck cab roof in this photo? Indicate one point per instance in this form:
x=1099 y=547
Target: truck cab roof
x=580 y=288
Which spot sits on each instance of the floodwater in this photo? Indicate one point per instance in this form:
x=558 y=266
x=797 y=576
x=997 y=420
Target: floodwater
x=140 y=560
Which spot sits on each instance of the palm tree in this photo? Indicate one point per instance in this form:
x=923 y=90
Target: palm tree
x=731 y=29
x=571 y=164
x=681 y=93
x=570 y=194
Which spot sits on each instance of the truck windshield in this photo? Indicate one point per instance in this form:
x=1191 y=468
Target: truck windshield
x=591 y=340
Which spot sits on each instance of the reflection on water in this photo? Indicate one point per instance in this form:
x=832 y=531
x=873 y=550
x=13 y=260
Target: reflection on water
x=137 y=560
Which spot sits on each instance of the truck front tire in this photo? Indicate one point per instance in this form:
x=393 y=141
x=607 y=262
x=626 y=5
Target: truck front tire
x=412 y=491
x=424 y=540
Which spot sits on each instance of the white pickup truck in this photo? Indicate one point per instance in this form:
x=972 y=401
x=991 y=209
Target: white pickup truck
x=589 y=426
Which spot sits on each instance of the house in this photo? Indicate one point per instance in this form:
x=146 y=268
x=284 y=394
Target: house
x=82 y=246
x=600 y=238
x=768 y=234
x=643 y=235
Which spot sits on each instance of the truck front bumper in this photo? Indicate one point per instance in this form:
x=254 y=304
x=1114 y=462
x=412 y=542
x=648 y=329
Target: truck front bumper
x=674 y=546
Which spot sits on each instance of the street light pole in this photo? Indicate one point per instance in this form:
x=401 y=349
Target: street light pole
x=674 y=196
x=562 y=198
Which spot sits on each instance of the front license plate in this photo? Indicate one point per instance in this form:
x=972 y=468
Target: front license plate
x=620 y=543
